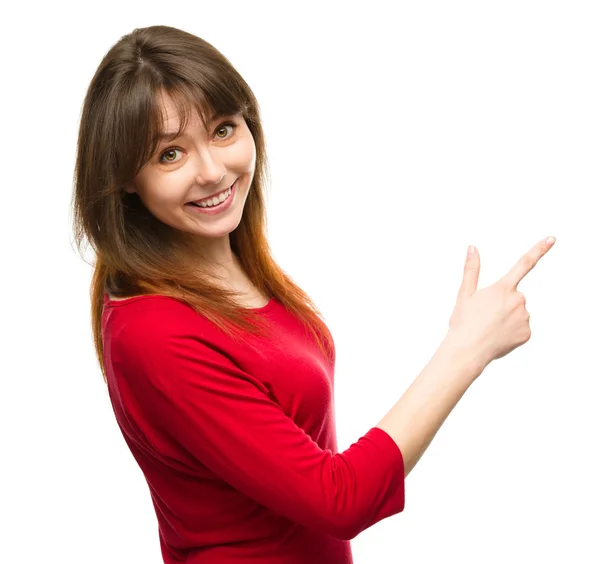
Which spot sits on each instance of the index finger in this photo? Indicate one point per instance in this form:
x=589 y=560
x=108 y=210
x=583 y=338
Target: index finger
x=527 y=262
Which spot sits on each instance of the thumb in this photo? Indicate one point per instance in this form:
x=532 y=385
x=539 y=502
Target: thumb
x=470 y=275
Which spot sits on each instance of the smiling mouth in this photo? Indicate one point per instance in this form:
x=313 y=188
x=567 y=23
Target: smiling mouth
x=210 y=202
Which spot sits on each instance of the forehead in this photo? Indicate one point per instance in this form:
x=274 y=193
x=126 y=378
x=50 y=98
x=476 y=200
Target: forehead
x=170 y=123
x=171 y=117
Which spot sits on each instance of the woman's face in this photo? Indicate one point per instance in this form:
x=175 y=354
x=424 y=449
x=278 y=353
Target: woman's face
x=197 y=165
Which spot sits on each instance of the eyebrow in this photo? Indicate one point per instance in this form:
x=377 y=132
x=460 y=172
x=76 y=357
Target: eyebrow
x=165 y=135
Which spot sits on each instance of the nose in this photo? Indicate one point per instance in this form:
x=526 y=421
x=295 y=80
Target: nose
x=211 y=171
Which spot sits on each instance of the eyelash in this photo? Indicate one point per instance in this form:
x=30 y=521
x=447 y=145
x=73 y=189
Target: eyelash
x=224 y=124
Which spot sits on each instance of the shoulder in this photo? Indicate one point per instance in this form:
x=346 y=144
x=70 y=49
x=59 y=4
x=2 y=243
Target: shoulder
x=151 y=322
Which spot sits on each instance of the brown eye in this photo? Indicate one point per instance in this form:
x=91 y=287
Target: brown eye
x=168 y=152
x=224 y=125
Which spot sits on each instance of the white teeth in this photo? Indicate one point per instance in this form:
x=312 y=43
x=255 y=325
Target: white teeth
x=217 y=199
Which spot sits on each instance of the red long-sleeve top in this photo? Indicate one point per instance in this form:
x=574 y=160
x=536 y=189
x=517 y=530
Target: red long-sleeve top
x=238 y=443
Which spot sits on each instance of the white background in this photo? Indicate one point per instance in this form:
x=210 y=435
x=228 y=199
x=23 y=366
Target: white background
x=398 y=134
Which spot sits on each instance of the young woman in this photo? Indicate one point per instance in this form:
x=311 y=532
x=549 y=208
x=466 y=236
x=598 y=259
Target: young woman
x=219 y=368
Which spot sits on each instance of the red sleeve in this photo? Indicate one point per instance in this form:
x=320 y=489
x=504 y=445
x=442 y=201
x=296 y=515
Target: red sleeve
x=193 y=403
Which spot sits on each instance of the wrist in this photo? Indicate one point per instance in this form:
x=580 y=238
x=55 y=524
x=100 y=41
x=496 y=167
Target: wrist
x=469 y=360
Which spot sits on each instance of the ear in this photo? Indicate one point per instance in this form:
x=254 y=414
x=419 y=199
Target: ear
x=129 y=188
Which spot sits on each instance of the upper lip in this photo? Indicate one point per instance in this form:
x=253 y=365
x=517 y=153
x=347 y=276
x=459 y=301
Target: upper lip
x=213 y=195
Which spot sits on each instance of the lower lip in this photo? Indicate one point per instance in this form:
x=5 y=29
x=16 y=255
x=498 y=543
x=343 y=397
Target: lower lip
x=213 y=210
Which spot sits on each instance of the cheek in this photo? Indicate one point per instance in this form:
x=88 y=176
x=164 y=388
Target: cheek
x=168 y=189
x=246 y=153
x=158 y=202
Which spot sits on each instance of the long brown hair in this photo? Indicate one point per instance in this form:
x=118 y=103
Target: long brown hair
x=136 y=253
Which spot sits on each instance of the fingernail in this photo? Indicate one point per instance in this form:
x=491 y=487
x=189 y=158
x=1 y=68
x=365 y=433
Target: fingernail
x=471 y=251
x=550 y=240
